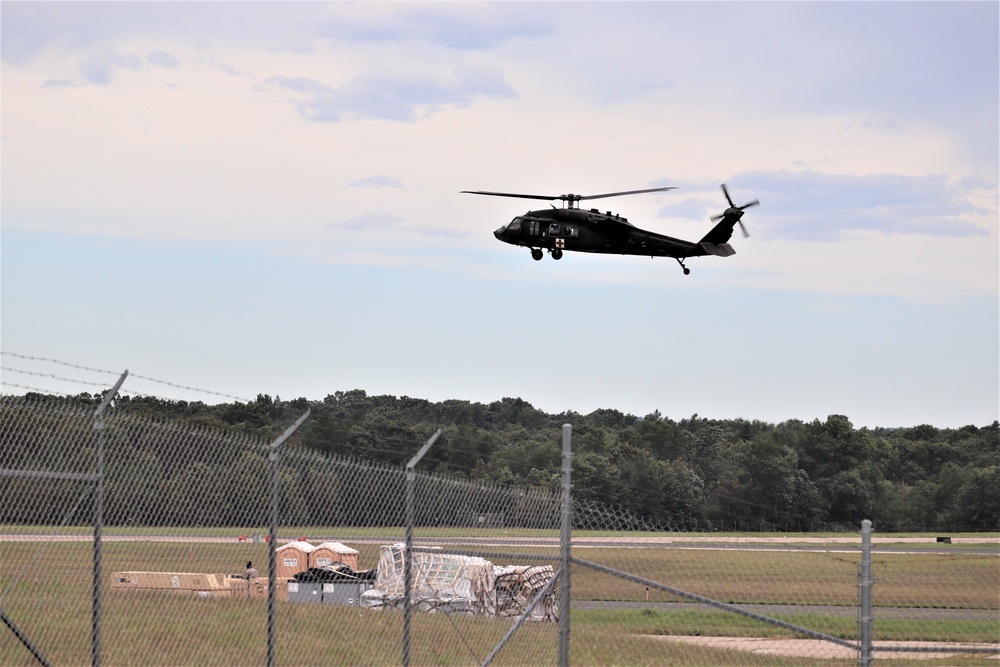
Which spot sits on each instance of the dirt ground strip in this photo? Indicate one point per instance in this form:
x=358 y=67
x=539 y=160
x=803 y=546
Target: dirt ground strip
x=823 y=650
x=797 y=539
x=837 y=540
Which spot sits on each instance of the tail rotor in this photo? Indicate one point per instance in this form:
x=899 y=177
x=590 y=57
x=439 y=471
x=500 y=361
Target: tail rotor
x=735 y=211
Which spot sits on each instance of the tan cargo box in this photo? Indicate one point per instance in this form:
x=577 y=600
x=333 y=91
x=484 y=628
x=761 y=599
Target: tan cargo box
x=179 y=581
x=256 y=588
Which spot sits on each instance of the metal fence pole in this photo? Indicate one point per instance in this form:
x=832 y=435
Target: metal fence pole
x=272 y=573
x=23 y=638
x=95 y=628
x=411 y=491
x=564 y=543
x=865 y=596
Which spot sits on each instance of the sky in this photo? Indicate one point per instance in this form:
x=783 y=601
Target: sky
x=231 y=199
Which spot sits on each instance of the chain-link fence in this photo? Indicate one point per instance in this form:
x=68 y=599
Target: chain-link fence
x=130 y=540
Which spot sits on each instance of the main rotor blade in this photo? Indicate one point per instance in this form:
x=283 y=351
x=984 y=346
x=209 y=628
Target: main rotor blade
x=569 y=198
x=509 y=194
x=627 y=192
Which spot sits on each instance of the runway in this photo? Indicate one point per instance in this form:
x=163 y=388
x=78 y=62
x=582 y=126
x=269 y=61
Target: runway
x=896 y=545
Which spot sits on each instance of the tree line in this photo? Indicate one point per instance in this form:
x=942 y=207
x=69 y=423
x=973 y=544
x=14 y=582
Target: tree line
x=688 y=474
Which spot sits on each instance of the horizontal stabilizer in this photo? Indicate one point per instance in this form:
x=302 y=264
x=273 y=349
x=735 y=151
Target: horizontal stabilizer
x=718 y=249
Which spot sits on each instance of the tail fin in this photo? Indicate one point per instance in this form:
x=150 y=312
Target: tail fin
x=722 y=232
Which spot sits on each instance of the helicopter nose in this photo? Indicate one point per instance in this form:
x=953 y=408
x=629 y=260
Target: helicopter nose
x=499 y=233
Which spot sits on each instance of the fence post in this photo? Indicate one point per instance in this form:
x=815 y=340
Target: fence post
x=865 y=596
x=272 y=573
x=411 y=491
x=564 y=543
x=95 y=628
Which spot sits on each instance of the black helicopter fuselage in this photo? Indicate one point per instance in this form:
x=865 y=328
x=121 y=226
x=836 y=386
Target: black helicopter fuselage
x=574 y=229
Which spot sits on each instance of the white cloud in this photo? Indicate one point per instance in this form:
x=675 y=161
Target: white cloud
x=162 y=59
x=98 y=67
x=813 y=206
x=395 y=95
x=377 y=182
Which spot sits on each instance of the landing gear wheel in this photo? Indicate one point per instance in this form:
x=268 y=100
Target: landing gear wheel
x=556 y=253
x=680 y=261
x=687 y=271
x=537 y=254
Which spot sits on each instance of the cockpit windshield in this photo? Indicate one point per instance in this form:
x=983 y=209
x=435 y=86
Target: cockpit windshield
x=515 y=225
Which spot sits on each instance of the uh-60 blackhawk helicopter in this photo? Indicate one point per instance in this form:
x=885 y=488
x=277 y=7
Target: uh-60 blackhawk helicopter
x=573 y=228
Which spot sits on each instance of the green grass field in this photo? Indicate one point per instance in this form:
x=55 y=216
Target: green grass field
x=46 y=589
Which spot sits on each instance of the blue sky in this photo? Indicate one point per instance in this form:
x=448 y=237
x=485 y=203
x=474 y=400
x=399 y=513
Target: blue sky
x=264 y=198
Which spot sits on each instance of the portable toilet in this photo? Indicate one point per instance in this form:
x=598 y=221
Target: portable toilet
x=329 y=553
x=292 y=558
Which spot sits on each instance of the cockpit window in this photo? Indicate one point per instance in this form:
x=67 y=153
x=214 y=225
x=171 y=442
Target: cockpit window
x=515 y=225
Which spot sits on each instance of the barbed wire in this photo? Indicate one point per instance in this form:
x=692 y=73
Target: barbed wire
x=186 y=388
x=56 y=361
x=44 y=375
x=36 y=390
x=112 y=373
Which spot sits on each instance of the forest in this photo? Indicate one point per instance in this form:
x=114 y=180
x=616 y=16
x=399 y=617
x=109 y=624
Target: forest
x=692 y=473
x=687 y=474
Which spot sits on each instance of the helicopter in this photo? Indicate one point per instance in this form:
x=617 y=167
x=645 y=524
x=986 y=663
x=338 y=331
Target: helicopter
x=572 y=228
